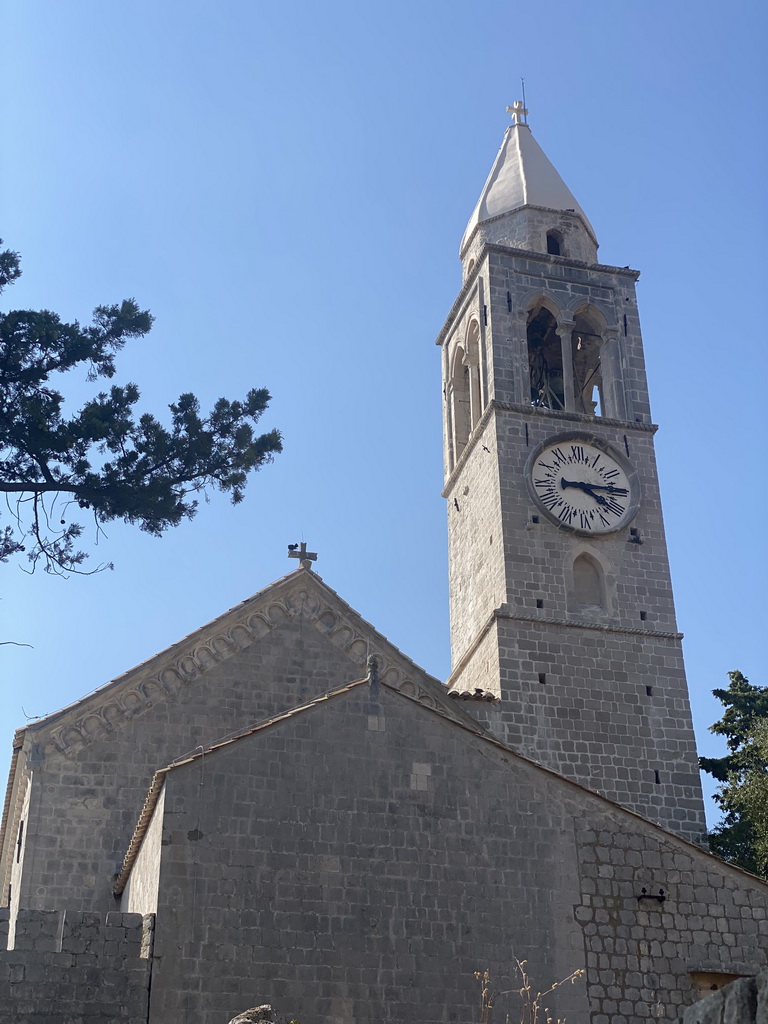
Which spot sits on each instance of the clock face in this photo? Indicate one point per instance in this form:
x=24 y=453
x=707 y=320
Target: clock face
x=583 y=485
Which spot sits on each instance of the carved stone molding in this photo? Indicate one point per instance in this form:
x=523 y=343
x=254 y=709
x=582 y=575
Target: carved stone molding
x=101 y=713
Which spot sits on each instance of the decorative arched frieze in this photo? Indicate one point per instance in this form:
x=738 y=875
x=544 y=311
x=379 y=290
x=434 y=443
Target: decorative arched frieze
x=259 y=625
x=358 y=650
x=152 y=692
x=204 y=657
x=392 y=678
x=113 y=715
x=93 y=727
x=343 y=637
x=188 y=667
x=240 y=637
x=73 y=736
x=172 y=680
x=276 y=613
x=183 y=665
x=132 y=703
x=222 y=646
x=327 y=622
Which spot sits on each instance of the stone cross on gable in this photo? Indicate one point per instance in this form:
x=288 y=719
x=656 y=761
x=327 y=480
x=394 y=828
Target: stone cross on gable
x=518 y=112
x=300 y=551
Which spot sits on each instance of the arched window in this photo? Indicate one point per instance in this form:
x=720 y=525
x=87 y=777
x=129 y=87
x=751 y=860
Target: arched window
x=554 y=243
x=470 y=267
x=588 y=593
x=545 y=360
x=587 y=370
x=465 y=390
x=472 y=361
x=459 y=402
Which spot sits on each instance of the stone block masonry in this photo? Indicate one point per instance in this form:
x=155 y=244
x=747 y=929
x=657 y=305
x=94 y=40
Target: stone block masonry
x=360 y=876
x=75 y=968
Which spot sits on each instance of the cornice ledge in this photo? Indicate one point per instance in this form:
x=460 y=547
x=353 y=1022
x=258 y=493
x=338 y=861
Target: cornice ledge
x=533 y=412
x=563 y=261
x=576 y=623
x=574 y=417
x=504 y=612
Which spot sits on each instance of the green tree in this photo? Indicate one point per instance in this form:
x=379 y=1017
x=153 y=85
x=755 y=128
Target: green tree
x=742 y=835
x=105 y=459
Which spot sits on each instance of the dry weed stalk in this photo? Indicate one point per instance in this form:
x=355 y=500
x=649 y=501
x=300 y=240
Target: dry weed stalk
x=533 y=1010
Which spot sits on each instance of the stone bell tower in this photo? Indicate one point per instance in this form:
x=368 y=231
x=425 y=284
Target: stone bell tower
x=561 y=600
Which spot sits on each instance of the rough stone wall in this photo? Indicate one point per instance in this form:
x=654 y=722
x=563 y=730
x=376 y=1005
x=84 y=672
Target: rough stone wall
x=358 y=863
x=85 y=805
x=475 y=544
x=593 y=720
x=75 y=968
x=640 y=951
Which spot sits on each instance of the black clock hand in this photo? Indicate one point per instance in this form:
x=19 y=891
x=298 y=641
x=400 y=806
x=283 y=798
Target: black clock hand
x=611 y=488
x=587 y=488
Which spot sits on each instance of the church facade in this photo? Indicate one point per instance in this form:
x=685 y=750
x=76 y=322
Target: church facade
x=283 y=808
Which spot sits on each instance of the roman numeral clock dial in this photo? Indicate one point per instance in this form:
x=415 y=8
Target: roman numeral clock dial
x=583 y=484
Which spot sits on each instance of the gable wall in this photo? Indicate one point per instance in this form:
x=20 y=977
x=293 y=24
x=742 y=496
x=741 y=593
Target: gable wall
x=359 y=864
x=84 y=806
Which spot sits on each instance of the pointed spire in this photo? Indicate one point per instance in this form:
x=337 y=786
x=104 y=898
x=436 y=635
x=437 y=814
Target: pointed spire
x=522 y=176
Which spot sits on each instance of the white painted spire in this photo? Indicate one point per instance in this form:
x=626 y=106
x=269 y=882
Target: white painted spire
x=522 y=176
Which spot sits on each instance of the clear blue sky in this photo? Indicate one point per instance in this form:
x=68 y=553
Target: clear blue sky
x=285 y=187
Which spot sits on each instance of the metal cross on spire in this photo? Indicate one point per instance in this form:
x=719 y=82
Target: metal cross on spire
x=518 y=112
x=300 y=551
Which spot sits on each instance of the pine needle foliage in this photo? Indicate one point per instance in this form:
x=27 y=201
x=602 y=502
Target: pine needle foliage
x=105 y=460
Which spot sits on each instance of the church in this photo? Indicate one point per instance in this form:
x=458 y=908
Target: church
x=283 y=808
